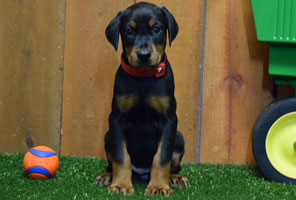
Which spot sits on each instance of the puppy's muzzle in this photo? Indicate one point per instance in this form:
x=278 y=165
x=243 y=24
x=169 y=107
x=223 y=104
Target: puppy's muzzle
x=144 y=55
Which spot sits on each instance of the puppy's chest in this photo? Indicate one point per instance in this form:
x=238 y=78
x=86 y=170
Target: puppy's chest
x=143 y=103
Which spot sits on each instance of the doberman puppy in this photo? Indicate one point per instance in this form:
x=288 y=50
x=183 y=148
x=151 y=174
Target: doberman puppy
x=143 y=140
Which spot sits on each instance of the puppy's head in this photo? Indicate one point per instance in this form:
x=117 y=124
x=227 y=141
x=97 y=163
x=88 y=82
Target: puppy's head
x=143 y=28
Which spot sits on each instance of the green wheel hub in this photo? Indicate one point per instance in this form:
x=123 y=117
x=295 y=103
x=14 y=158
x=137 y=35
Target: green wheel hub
x=281 y=145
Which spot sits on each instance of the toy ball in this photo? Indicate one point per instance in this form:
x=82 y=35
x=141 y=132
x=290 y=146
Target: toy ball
x=41 y=163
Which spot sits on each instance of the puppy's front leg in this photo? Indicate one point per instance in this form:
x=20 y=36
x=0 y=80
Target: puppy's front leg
x=121 y=162
x=161 y=166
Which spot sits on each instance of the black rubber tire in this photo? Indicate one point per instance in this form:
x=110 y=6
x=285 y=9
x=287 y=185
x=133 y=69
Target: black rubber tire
x=266 y=119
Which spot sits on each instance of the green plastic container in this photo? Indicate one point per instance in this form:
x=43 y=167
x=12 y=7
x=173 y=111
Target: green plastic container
x=275 y=22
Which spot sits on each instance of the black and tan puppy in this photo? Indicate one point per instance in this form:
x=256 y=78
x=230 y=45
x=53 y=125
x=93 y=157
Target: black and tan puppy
x=142 y=140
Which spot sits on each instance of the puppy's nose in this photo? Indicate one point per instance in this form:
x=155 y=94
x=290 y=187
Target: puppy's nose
x=144 y=54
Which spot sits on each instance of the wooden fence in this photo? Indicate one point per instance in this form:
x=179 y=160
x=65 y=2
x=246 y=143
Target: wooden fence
x=57 y=72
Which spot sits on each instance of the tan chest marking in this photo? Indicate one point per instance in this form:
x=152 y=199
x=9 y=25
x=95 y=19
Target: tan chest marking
x=160 y=103
x=126 y=102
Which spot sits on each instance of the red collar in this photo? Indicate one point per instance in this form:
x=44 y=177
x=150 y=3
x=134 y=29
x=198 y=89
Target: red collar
x=158 y=71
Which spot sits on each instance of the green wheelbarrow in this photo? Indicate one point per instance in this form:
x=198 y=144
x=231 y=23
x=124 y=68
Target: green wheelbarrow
x=274 y=138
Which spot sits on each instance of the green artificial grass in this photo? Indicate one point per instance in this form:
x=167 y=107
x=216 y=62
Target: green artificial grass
x=76 y=180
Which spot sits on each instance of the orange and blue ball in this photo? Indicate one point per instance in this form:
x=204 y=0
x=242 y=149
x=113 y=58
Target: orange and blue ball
x=41 y=163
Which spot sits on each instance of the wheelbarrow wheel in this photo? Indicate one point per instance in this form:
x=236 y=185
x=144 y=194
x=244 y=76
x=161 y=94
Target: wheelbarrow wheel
x=274 y=141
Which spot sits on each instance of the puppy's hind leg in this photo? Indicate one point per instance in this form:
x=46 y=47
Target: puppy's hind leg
x=105 y=179
x=176 y=180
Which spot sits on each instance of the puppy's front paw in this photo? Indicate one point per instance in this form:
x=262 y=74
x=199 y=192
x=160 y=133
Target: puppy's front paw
x=177 y=181
x=121 y=189
x=104 y=180
x=162 y=190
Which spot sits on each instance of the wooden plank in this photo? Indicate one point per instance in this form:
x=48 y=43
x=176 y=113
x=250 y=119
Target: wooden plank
x=90 y=66
x=31 y=69
x=236 y=84
x=185 y=58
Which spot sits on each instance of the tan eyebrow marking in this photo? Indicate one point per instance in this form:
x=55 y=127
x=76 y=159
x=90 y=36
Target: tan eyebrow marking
x=133 y=24
x=152 y=23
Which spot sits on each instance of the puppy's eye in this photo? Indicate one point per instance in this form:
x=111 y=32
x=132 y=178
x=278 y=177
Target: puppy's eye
x=129 y=31
x=156 y=29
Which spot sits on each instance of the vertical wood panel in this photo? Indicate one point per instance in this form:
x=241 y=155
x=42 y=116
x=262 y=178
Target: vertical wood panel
x=236 y=84
x=90 y=66
x=31 y=67
x=185 y=58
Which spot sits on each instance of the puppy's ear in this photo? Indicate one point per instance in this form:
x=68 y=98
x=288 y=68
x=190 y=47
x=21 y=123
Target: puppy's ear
x=113 y=29
x=173 y=27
